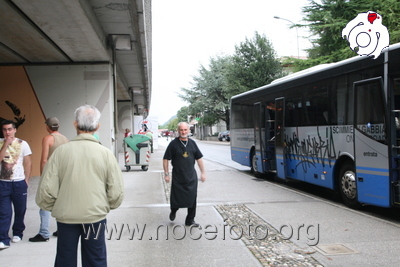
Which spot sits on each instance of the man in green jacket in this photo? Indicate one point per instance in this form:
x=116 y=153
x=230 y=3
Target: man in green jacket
x=80 y=184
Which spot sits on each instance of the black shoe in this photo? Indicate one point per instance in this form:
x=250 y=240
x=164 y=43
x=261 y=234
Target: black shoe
x=172 y=216
x=38 y=238
x=192 y=223
x=55 y=233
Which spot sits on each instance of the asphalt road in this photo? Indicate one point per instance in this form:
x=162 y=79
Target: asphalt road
x=220 y=152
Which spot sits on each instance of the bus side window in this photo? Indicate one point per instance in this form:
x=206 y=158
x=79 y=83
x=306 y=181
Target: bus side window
x=326 y=117
x=317 y=112
x=339 y=94
x=396 y=91
x=291 y=115
x=397 y=114
x=316 y=104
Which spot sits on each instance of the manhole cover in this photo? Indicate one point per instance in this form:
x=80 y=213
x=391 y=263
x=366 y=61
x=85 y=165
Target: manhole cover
x=335 y=249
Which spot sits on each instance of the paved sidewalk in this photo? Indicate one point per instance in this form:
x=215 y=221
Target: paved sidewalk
x=140 y=234
x=151 y=240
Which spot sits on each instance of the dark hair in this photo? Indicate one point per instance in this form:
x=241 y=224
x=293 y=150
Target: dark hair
x=6 y=122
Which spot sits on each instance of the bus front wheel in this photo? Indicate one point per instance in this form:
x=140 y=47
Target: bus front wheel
x=348 y=186
x=254 y=168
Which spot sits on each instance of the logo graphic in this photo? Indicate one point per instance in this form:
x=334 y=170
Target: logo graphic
x=144 y=125
x=366 y=34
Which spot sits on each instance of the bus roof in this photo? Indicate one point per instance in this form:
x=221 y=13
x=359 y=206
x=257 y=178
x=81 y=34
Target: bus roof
x=313 y=70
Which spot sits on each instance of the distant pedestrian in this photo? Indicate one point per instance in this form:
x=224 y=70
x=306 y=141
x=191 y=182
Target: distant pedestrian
x=49 y=143
x=128 y=132
x=15 y=172
x=183 y=153
x=81 y=183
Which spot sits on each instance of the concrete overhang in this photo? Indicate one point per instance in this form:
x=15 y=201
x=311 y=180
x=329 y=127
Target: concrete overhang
x=43 y=32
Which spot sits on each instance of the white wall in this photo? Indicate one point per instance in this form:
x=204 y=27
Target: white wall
x=62 y=89
x=125 y=120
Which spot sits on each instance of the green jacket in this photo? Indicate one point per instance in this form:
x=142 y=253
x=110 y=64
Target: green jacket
x=81 y=182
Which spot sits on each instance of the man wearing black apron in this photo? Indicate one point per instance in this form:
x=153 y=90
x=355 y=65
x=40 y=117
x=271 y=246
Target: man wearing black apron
x=183 y=153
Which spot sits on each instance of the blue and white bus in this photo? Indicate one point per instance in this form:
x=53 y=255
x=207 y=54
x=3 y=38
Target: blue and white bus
x=334 y=125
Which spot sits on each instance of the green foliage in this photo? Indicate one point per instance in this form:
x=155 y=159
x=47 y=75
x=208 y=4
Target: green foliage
x=253 y=64
x=183 y=114
x=173 y=124
x=207 y=95
x=390 y=11
x=254 y=61
x=327 y=18
x=301 y=64
x=165 y=125
x=326 y=22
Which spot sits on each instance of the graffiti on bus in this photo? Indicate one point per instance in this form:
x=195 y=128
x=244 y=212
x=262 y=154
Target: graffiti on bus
x=311 y=150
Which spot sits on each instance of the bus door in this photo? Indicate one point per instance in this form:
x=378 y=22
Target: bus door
x=259 y=140
x=370 y=146
x=395 y=155
x=269 y=125
x=280 y=137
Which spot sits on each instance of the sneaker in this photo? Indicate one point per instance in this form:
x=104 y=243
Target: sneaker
x=3 y=246
x=38 y=238
x=16 y=239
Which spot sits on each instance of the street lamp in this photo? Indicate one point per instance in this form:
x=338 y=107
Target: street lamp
x=297 y=33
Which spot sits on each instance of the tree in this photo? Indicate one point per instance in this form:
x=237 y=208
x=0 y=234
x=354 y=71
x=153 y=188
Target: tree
x=183 y=114
x=327 y=20
x=254 y=64
x=173 y=124
x=207 y=95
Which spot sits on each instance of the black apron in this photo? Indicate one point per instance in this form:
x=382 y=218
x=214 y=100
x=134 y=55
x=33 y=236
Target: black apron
x=184 y=175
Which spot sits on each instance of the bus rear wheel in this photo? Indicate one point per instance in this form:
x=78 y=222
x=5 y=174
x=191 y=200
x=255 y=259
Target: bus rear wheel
x=348 y=186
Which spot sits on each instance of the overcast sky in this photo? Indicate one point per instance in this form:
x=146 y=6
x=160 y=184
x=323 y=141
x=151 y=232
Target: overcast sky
x=186 y=33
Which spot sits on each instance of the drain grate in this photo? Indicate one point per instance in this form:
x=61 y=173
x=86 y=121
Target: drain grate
x=335 y=249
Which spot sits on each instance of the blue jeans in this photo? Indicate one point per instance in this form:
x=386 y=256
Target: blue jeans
x=14 y=193
x=44 y=223
x=93 y=245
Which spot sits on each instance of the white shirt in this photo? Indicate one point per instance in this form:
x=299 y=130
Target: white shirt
x=11 y=167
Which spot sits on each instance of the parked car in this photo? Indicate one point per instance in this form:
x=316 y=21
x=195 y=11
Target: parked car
x=224 y=136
